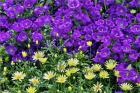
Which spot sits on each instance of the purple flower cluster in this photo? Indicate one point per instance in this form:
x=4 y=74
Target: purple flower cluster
x=110 y=25
x=126 y=73
x=21 y=23
x=113 y=29
x=104 y=29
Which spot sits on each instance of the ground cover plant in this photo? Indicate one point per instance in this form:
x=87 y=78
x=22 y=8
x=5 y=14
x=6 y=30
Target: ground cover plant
x=69 y=46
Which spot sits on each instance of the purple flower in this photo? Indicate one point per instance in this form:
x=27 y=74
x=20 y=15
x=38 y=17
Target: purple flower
x=19 y=9
x=116 y=33
x=138 y=17
x=134 y=3
x=121 y=23
x=137 y=42
x=26 y=24
x=17 y=58
x=98 y=59
x=116 y=48
x=133 y=56
x=73 y=4
x=104 y=53
x=11 y=50
x=22 y=37
x=37 y=37
x=135 y=29
x=126 y=48
x=29 y=3
x=11 y=12
x=138 y=80
x=9 y=1
x=16 y=27
x=38 y=11
x=118 y=92
x=100 y=22
x=107 y=2
x=4 y=36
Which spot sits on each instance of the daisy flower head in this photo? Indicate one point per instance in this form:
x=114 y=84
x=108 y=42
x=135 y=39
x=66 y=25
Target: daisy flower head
x=73 y=62
x=97 y=87
x=34 y=81
x=126 y=86
x=74 y=70
x=18 y=76
x=71 y=71
x=89 y=43
x=31 y=90
x=61 y=66
x=38 y=55
x=110 y=64
x=103 y=74
x=43 y=60
x=89 y=76
x=96 y=67
x=88 y=69
x=49 y=75
x=61 y=79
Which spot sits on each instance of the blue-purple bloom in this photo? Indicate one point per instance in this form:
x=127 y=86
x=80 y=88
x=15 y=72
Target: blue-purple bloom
x=11 y=50
x=37 y=37
x=21 y=37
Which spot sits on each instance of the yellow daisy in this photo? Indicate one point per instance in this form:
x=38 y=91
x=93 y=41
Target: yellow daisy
x=110 y=64
x=73 y=62
x=88 y=69
x=126 y=86
x=97 y=87
x=34 y=81
x=104 y=74
x=96 y=67
x=90 y=76
x=49 y=75
x=38 y=55
x=71 y=71
x=61 y=66
x=24 y=54
x=31 y=90
x=89 y=43
x=43 y=60
x=61 y=79
x=18 y=76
